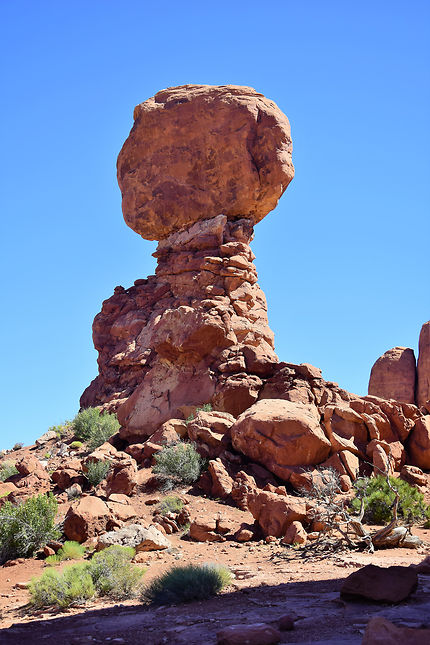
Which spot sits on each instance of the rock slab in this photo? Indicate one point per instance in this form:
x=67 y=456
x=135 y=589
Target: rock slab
x=391 y=584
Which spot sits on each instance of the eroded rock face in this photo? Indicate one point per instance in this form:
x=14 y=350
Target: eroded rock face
x=393 y=376
x=197 y=332
x=196 y=151
x=423 y=367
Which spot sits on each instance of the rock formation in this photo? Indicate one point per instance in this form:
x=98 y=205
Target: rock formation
x=423 y=367
x=393 y=376
x=202 y=164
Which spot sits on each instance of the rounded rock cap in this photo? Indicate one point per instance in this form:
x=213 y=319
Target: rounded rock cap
x=196 y=151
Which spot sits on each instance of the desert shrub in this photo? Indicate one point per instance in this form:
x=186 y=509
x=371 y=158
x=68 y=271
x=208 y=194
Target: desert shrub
x=113 y=574
x=97 y=471
x=186 y=583
x=61 y=589
x=170 y=504
x=27 y=527
x=206 y=407
x=61 y=429
x=76 y=445
x=93 y=427
x=7 y=470
x=69 y=551
x=178 y=463
x=18 y=446
x=379 y=499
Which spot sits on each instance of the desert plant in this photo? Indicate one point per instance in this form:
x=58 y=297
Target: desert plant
x=7 y=470
x=69 y=551
x=94 y=428
x=62 y=589
x=170 y=504
x=178 y=463
x=379 y=495
x=27 y=527
x=206 y=407
x=76 y=445
x=18 y=446
x=186 y=583
x=113 y=574
x=96 y=472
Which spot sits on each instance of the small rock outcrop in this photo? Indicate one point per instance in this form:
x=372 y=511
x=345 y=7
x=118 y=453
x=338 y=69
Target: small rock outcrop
x=393 y=376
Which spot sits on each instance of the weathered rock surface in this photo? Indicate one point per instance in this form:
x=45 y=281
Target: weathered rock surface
x=419 y=444
x=256 y=634
x=392 y=584
x=281 y=434
x=393 y=376
x=199 y=150
x=274 y=513
x=86 y=518
x=423 y=366
x=136 y=536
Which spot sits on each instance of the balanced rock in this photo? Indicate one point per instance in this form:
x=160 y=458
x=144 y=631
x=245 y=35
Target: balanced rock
x=393 y=376
x=196 y=151
x=423 y=366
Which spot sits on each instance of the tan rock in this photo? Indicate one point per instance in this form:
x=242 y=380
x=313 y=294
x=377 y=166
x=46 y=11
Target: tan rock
x=86 y=518
x=423 y=366
x=393 y=376
x=281 y=434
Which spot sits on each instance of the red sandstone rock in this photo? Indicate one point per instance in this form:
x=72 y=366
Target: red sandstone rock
x=255 y=634
x=380 y=631
x=242 y=485
x=391 y=584
x=393 y=376
x=274 y=513
x=281 y=434
x=204 y=531
x=413 y=476
x=295 y=534
x=423 y=366
x=30 y=465
x=87 y=518
x=419 y=444
x=222 y=483
x=201 y=149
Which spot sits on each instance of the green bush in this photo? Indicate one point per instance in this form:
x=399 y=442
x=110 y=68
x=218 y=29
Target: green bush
x=113 y=574
x=186 y=583
x=71 y=586
x=76 y=445
x=379 y=499
x=62 y=429
x=7 y=470
x=170 y=504
x=93 y=427
x=97 y=471
x=109 y=573
x=207 y=407
x=27 y=527
x=179 y=463
x=69 y=551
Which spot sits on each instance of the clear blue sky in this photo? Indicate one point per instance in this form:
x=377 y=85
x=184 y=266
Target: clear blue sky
x=344 y=259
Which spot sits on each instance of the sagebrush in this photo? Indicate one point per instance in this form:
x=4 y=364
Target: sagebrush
x=178 y=463
x=7 y=469
x=170 y=504
x=108 y=573
x=97 y=471
x=187 y=583
x=26 y=527
x=93 y=427
x=69 y=551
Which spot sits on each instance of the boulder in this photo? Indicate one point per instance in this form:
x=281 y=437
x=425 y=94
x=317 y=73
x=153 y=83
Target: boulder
x=413 y=475
x=391 y=584
x=281 y=434
x=419 y=443
x=380 y=631
x=86 y=518
x=394 y=374
x=50 y=435
x=295 y=534
x=274 y=513
x=136 y=536
x=205 y=531
x=121 y=478
x=30 y=465
x=225 y=149
x=242 y=485
x=222 y=483
x=254 y=634
x=423 y=366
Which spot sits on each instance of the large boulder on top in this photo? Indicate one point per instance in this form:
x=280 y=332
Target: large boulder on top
x=423 y=366
x=196 y=151
x=393 y=376
x=281 y=434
